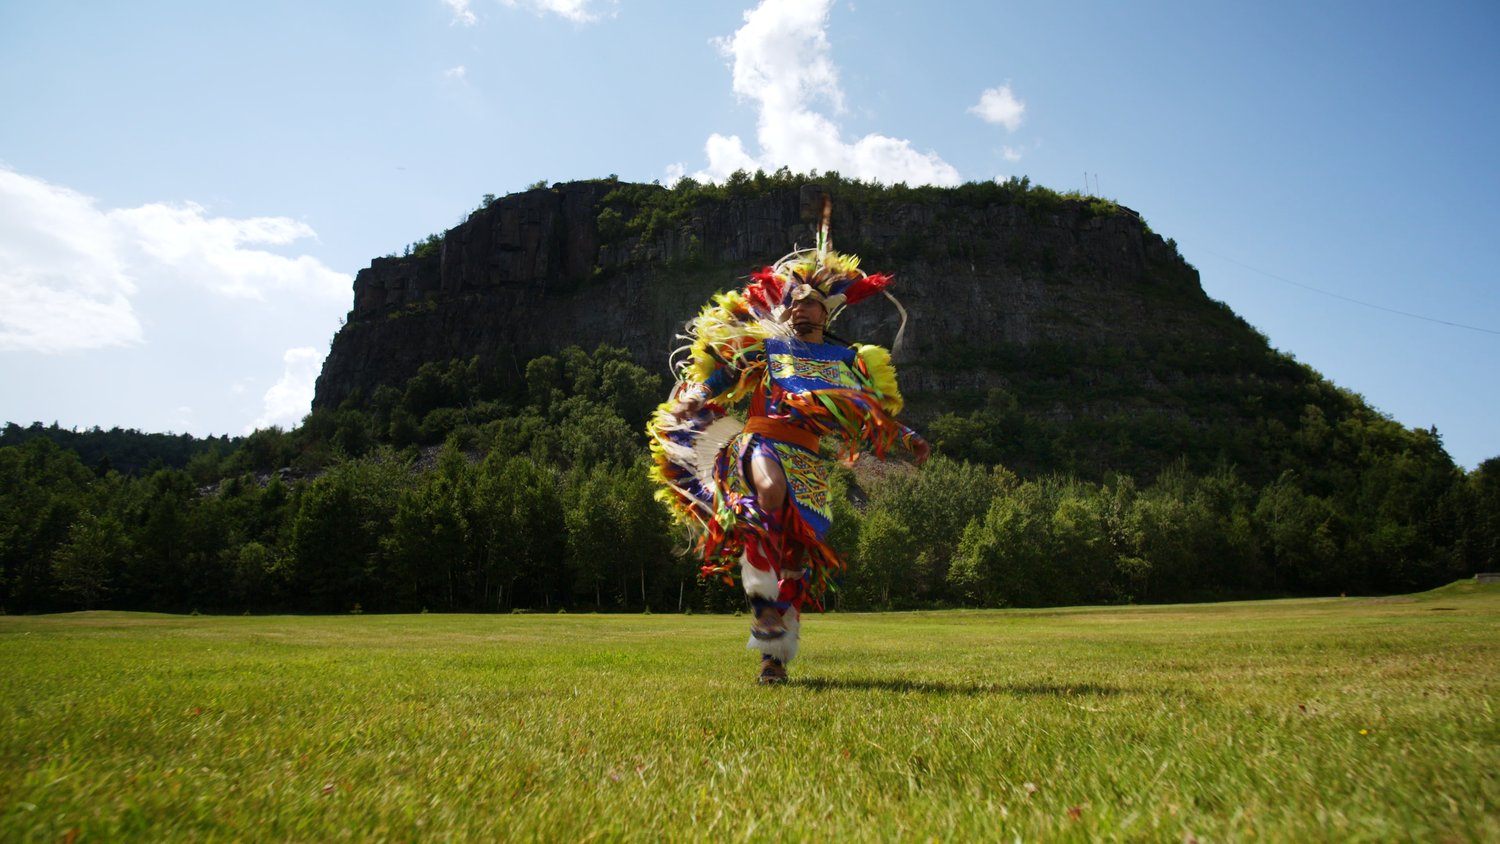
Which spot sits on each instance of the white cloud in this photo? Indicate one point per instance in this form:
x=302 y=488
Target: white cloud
x=1000 y=106
x=455 y=72
x=577 y=11
x=781 y=62
x=182 y=242
x=290 y=399
x=63 y=282
x=41 y=318
x=1010 y=153
x=68 y=270
x=461 y=12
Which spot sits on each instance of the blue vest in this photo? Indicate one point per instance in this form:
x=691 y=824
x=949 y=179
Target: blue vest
x=799 y=367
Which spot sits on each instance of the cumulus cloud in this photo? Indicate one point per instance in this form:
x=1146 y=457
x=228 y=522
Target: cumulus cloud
x=462 y=14
x=1010 y=153
x=184 y=243
x=68 y=269
x=781 y=61
x=1000 y=106
x=457 y=72
x=577 y=11
x=290 y=398
x=63 y=283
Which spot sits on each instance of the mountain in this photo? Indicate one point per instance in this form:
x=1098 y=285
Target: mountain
x=1048 y=332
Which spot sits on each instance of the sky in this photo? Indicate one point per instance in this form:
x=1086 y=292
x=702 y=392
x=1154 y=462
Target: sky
x=187 y=189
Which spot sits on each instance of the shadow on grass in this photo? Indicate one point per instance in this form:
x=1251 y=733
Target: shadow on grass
x=821 y=684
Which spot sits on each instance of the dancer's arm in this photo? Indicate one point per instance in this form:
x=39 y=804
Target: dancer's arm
x=918 y=446
x=692 y=396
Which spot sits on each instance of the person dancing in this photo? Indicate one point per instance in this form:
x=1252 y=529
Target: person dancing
x=756 y=495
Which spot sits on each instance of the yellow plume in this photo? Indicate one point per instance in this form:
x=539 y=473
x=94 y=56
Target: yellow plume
x=877 y=362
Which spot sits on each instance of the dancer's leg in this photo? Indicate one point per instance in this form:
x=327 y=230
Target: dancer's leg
x=769 y=630
x=769 y=482
x=761 y=568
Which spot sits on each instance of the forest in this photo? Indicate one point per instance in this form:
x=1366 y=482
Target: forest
x=460 y=492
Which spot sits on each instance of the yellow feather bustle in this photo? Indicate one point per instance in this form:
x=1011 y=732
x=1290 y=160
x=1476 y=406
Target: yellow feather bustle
x=877 y=362
x=722 y=332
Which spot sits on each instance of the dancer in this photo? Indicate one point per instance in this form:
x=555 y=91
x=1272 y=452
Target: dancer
x=756 y=493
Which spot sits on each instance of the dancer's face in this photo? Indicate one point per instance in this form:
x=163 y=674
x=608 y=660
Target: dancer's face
x=807 y=317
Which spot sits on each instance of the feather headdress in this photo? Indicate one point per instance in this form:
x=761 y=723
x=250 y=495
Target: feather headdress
x=832 y=278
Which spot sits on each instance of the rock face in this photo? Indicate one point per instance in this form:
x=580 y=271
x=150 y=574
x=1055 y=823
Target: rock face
x=988 y=282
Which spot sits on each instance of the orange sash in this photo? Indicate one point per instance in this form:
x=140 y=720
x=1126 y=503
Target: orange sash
x=778 y=430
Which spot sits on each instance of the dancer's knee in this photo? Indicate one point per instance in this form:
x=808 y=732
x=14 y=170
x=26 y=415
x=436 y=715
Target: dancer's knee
x=770 y=484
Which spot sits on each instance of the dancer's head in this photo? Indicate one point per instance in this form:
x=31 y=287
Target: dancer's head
x=807 y=315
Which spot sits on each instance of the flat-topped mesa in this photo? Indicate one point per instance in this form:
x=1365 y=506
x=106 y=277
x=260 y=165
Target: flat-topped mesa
x=525 y=239
x=983 y=270
x=1073 y=305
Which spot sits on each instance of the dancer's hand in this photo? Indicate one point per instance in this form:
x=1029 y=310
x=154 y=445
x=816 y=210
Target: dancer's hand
x=687 y=406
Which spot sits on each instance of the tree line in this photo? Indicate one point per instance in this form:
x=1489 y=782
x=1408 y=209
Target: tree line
x=460 y=491
x=126 y=450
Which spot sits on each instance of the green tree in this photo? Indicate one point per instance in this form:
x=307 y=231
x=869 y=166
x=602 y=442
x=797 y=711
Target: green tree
x=886 y=555
x=1302 y=537
x=544 y=383
x=253 y=570
x=212 y=529
x=339 y=521
x=430 y=551
x=519 y=516
x=353 y=432
x=1481 y=531
x=999 y=560
x=590 y=520
x=1040 y=542
x=936 y=504
x=593 y=435
x=630 y=391
x=1083 y=560
x=86 y=562
x=264 y=450
x=159 y=578
x=617 y=537
x=1405 y=524
x=42 y=489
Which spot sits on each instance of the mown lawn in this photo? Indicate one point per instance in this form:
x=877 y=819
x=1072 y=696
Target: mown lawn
x=1338 y=720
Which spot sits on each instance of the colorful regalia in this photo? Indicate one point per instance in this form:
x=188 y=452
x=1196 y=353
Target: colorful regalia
x=741 y=348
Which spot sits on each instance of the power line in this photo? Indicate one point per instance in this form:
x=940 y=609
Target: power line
x=1349 y=299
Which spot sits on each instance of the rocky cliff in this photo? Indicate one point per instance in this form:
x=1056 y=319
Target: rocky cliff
x=993 y=280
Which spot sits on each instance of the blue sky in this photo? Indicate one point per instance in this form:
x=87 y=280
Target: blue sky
x=187 y=189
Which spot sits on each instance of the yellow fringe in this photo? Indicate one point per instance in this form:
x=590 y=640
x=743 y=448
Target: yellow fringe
x=877 y=362
x=834 y=265
x=723 y=331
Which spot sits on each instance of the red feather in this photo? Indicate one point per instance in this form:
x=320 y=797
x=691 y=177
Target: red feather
x=866 y=287
x=765 y=289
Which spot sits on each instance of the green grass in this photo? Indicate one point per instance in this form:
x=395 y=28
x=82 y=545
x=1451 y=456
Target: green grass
x=1338 y=720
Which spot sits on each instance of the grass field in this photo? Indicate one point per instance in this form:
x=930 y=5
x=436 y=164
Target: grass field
x=1338 y=720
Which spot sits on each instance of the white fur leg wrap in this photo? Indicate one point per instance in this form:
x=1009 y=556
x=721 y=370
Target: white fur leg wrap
x=758 y=584
x=785 y=648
